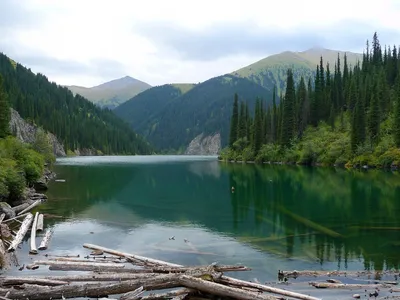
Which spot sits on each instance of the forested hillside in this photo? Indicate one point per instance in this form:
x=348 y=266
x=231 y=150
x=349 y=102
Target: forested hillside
x=349 y=117
x=170 y=120
x=77 y=122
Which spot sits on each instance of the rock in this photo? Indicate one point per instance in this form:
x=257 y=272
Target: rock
x=32 y=267
x=356 y=296
x=204 y=145
x=40 y=185
x=5 y=231
x=6 y=209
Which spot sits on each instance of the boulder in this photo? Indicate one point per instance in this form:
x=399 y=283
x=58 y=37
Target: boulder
x=6 y=209
x=40 y=185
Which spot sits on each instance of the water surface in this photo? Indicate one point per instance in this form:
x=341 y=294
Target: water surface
x=277 y=218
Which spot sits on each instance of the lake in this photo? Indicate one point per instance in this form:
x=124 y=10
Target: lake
x=277 y=217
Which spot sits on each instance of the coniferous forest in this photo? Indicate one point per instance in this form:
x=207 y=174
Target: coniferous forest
x=345 y=115
x=78 y=123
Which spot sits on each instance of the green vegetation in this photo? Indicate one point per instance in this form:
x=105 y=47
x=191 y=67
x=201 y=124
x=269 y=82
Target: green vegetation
x=20 y=164
x=350 y=117
x=77 y=122
x=112 y=93
x=272 y=71
x=170 y=119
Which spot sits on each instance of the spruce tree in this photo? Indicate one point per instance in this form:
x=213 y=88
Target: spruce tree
x=288 y=111
x=234 y=122
x=374 y=115
x=397 y=117
x=242 y=121
x=258 y=123
x=4 y=112
x=274 y=118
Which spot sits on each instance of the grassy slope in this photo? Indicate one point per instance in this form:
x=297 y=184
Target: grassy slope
x=272 y=69
x=111 y=95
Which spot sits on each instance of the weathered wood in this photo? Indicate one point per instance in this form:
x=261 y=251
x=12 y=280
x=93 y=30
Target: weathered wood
x=37 y=202
x=3 y=215
x=70 y=263
x=10 y=280
x=21 y=207
x=21 y=233
x=39 y=226
x=133 y=295
x=97 y=260
x=131 y=256
x=16 y=218
x=168 y=295
x=33 y=235
x=327 y=285
x=95 y=268
x=310 y=273
x=221 y=290
x=5 y=261
x=44 y=244
x=33 y=292
x=218 y=268
x=262 y=287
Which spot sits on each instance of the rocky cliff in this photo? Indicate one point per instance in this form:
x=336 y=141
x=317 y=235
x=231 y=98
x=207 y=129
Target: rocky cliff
x=204 y=145
x=26 y=133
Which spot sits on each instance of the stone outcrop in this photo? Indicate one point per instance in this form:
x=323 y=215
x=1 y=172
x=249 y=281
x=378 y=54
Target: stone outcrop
x=26 y=132
x=204 y=145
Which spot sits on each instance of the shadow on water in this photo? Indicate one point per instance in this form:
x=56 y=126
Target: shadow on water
x=295 y=217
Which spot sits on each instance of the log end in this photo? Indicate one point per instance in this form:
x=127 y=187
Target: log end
x=33 y=251
x=43 y=248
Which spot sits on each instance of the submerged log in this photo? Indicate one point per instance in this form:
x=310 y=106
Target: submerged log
x=37 y=202
x=221 y=290
x=30 y=280
x=33 y=235
x=264 y=288
x=45 y=242
x=310 y=273
x=21 y=232
x=36 y=292
x=39 y=226
x=328 y=285
x=70 y=263
x=131 y=256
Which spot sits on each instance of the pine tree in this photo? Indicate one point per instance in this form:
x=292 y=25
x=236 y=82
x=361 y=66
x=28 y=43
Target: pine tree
x=288 y=111
x=242 y=121
x=374 y=115
x=258 y=123
x=234 y=122
x=4 y=112
x=397 y=117
x=274 y=118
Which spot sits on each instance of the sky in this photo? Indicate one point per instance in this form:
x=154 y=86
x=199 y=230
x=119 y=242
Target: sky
x=88 y=42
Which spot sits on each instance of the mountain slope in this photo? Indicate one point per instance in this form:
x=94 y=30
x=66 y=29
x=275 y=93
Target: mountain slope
x=170 y=120
x=113 y=93
x=272 y=69
x=77 y=122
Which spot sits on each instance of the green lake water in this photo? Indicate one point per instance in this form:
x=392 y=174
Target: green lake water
x=277 y=218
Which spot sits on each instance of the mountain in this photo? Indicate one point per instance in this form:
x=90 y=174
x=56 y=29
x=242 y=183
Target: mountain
x=171 y=118
x=272 y=69
x=113 y=93
x=78 y=123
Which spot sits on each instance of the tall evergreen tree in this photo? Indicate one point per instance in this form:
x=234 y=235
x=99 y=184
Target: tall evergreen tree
x=234 y=121
x=4 y=112
x=288 y=111
x=258 y=123
x=242 y=121
x=374 y=115
x=397 y=117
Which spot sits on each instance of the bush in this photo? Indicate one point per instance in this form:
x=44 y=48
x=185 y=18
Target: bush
x=12 y=180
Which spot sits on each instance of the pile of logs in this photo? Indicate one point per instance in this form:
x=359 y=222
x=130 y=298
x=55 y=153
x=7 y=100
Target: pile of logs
x=130 y=276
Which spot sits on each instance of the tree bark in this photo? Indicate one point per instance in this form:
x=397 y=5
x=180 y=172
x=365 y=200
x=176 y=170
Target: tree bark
x=21 y=233
x=39 y=226
x=33 y=235
x=45 y=242
x=30 y=280
x=36 y=292
x=37 y=202
x=265 y=288
x=167 y=295
x=5 y=262
x=131 y=256
x=221 y=290
x=70 y=263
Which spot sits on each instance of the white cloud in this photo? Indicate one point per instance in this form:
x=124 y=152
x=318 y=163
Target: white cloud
x=111 y=31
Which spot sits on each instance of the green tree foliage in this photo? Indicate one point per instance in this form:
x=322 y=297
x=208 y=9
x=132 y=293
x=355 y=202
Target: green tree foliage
x=350 y=118
x=42 y=145
x=77 y=122
x=233 y=135
x=4 y=111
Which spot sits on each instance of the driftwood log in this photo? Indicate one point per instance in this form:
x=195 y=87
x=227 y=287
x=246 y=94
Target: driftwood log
x=36 y=203
x=33 y=235
x=66 y=263
x=39 y=226
x=44 y=244
x=351 y=286
x=30 y=280
x=21 y=232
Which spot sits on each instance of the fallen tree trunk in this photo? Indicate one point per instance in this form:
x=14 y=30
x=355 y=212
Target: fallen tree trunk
x=37 y=202
x=21 y=207
x=217 y=268
x=221 y=290
x=261 y=287
x=70 y=263
x=33 y=235
x=328 y=285
x=131 y=256
x=5 y=262
x=161 y=296
x=39 y=226
x=3 y=215
x=15 y=218
x=95 y=268
x=31 y=280
x=46 y=239
x=309 y=273
x=21 y=233
x=36 y=292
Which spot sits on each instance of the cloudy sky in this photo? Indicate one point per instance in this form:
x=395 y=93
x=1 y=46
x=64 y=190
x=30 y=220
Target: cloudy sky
x=88 y=42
